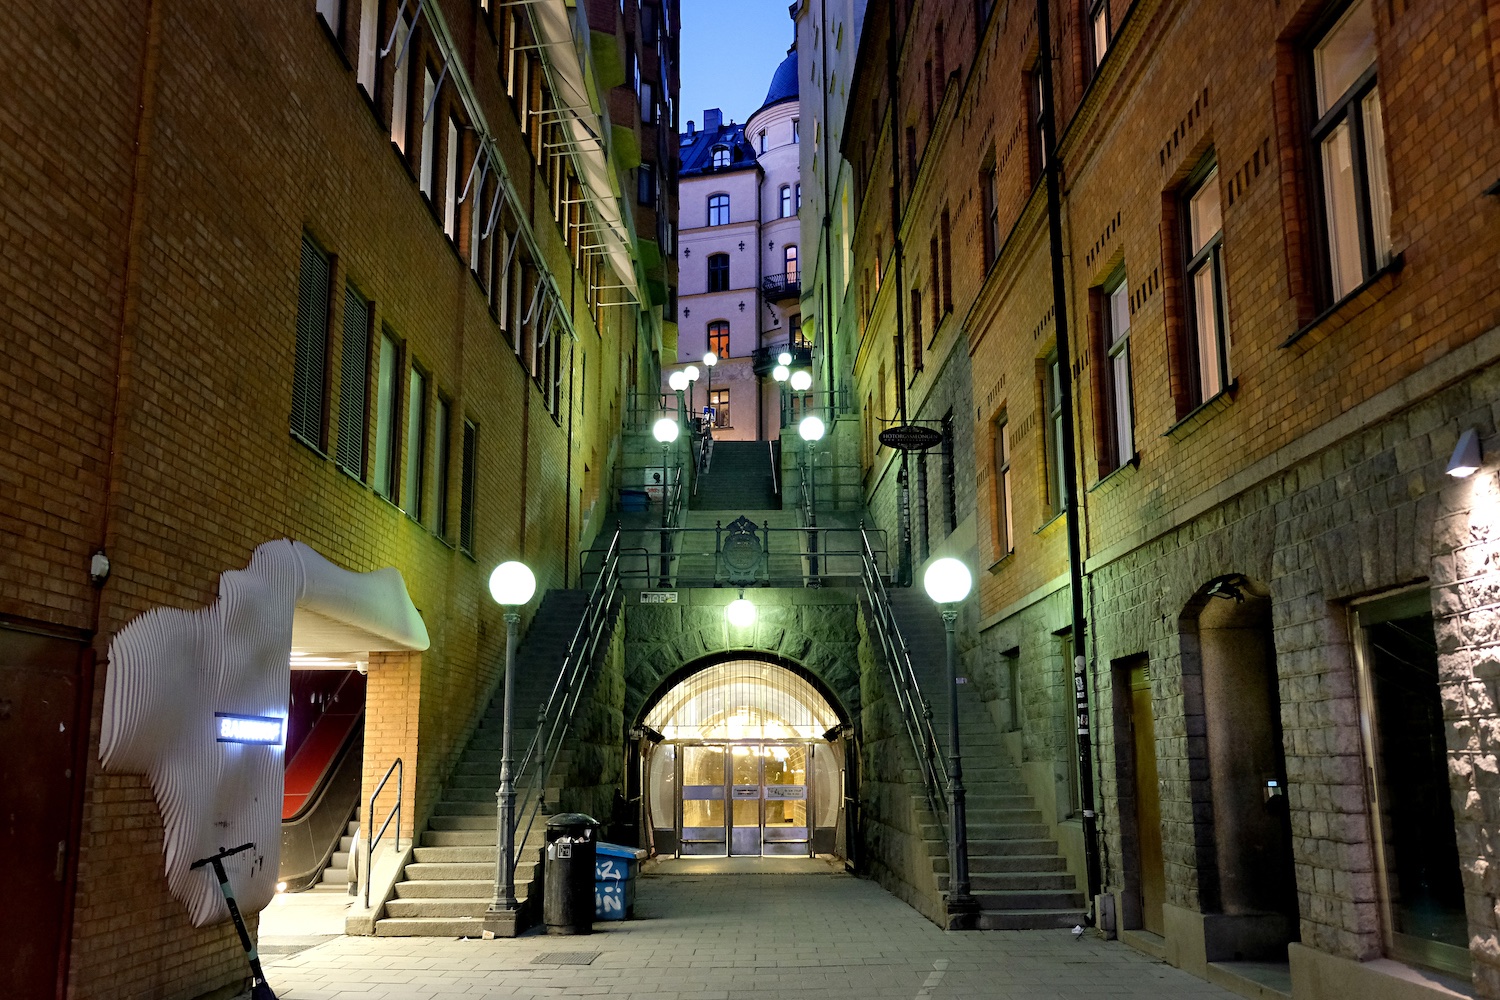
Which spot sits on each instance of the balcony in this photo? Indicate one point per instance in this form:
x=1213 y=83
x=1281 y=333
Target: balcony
x=763 y=360
x=783 y=286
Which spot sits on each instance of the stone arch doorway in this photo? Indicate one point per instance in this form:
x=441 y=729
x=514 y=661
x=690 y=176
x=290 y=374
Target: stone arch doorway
x=743 y=755
x=1246 y=873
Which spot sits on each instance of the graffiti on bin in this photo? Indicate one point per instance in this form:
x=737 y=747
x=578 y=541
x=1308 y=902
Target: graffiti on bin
x=608 y=869
x=609 y=899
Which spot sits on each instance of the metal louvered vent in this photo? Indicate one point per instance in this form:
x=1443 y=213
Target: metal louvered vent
x=354 y=376
x=311 y=375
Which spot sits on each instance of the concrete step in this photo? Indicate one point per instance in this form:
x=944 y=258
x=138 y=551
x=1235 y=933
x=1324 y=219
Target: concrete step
x=1029 y=899
x=483 y=837
x=445 y=870
x=466 y=808
x=1016 y=863
x=1028 y=920
x=454 y=855
x=1011 y=848
x=451 y=888
x=1018 y=815
x=464 y=823
x=980 y=833
x=1015 y=882
x=469 y=794
x=437 y=907
x=454 y=927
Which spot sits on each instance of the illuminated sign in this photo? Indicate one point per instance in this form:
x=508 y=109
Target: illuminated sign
x=248 y=729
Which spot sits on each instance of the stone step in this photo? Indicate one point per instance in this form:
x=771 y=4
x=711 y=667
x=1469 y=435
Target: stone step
x=446 y=870
x=1015 y=881
x=482 y=837
x=454 y=855
x=1017 y=863
x=1030 y=899
x=464 y=823
x=1011 y=848
x=437 y=907
x=1027 y=920
x=466 y=808
x=454 y=927
x=1015 y=815
x=469 y=794
x=447 y=888
x=487 y=780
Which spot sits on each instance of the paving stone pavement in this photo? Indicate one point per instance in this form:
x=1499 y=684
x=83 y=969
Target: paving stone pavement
x=737 y=937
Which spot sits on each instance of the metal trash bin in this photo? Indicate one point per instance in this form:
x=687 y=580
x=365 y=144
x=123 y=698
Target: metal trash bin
x=568 y=874
x=615 y=870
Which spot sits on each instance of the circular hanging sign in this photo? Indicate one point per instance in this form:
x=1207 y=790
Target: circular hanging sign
x=910 y=437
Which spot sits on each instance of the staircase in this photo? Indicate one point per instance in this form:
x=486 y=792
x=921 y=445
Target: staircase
x=335 y=876
x=1016 y=873
x=739 y=478
x=450 y=882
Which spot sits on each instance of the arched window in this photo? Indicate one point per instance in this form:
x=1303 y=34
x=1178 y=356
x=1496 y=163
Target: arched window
x=721 y=156
x=786 y=201
x=718 y=272
x=718 y=338
x=718 y=210
x=791 y=262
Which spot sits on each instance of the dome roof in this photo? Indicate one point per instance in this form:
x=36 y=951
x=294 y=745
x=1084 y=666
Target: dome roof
x=784 y=82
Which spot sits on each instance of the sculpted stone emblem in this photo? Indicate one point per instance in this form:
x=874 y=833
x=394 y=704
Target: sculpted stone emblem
x=742 y=551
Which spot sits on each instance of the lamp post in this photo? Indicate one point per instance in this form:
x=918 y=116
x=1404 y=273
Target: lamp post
x=947 y=582
x=811 y=432
x=709 y=360
x=511 y=585
x=679 y=383
x=781 y=374
x=801 y=381
x=691 y=371
x=665 y=430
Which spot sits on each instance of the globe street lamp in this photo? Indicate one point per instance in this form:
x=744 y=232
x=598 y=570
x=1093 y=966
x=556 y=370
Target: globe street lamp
x=780 y=373
x=709 y=360
x=691 y=371
x=801 y=381
x=679 y=383
x=811 y=431
x=665 y=430
x=511 y=585
x=947 y=582
x=784 y=358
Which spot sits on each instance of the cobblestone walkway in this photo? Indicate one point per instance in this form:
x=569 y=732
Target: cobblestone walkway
x=737 y=937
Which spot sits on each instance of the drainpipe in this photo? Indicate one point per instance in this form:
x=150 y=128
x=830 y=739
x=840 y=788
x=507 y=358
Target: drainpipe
x=1070 y=465
x=826 y=327
x=903 y=478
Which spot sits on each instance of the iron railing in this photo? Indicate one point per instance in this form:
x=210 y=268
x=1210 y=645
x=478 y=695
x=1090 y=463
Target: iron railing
x=556 y=715
x=717 y=557
x=782 y=285
x=399 y=770
x=916 y=713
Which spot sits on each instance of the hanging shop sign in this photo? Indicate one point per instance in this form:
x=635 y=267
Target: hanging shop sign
x=910 y=437
x=248 y=729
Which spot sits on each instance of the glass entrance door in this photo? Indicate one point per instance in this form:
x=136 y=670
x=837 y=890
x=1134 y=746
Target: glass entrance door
x=703 y=779
x=745 y=833
x=785 y=824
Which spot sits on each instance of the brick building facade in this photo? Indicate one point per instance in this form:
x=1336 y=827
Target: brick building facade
x=384 y=235
x=1278 y=232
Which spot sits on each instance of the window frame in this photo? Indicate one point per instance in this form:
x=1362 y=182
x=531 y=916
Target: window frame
x=1001 y=456
x=1096 y=54
x=414 y=441
x=1118 y=441
x=388 y=417
x=717 y=331
x=990 y=194
x=468 y=488
x=791 y=263
x=784 y=202
x=1056 y=492
x=718 y=203
x=721 y=413
x=719 y=157
x=312 y=339
x=1211 y=256
x=351 y=448
x=718 y=262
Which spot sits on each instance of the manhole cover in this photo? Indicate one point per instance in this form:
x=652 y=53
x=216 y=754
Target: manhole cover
x=565 y=958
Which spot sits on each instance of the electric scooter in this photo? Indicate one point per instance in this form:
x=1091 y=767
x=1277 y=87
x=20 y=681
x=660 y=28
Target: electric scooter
x=259 y=988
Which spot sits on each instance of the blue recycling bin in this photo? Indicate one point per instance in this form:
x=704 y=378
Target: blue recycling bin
x=634 y=501
x=615 y=870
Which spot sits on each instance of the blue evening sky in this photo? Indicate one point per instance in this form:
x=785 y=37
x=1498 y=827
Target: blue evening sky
x=730 y=49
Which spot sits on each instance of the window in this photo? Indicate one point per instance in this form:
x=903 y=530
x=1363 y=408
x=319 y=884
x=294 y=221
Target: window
x=789 y=255
x=369 y=45
x=990 y=184
x=387 y=399
x=330 y=11
x=786 y=201
x=718 y=272
x=1350 y=140
x=719 y=400
x=467 y=489
x=648 y=103
x=1207 y=344
x=1036 y=135
x=441 y=431
x=922 y=526
x=762 y=140
x=400 y=86
x=1418 y=871
x=1101 y=30
x=416 y=441
x=982 y=11
x=796 y=130
x=1052 y=404
x=795 y=335
x=950 y=475
x=354 y=383
x=310 y=375
x=799 y=196
x=1118 y=445
x=718 y=338
x=450 y=184
x=718 y=210
x=945 y=229
x=645 y=184
x=424 y=175
x=1005 y=533
x=916 y=333
x=721 y=156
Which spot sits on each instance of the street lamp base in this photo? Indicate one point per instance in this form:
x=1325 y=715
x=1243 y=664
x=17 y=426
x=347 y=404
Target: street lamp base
x=504 y=923
x=962 y=913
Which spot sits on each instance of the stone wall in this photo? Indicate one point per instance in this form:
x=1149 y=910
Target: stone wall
x=595 y=749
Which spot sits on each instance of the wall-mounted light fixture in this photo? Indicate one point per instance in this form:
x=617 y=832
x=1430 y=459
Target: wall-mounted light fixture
x=741 y=613
x=1467 y=455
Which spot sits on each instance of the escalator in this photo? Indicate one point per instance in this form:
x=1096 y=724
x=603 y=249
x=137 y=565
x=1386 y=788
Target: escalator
x=324 y=760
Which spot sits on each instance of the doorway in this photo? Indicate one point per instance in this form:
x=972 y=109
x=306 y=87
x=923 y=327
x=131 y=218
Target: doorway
x=41 y=686
x=1133 y=701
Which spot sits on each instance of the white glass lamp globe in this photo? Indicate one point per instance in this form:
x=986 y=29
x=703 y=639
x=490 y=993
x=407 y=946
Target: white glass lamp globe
x=691 y=371
x=512 y=583
x=811 y=428
x=678 y=381
x=741 y=613
x=784 y=358
x=665 y=430
x=710 y=359
x=947 y=581
x=802 y=381
x=780 y=373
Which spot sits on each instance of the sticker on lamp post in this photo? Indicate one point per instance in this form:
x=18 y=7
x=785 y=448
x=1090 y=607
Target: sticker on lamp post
x=263 y=730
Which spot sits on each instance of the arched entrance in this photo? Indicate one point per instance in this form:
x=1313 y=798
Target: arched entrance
x=746 y=758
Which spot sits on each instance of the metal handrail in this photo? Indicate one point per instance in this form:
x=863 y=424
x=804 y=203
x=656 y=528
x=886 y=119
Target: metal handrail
x=916 y=713
x=838 y=552
x=399 y=769
x=771 y=450
x=556 y=715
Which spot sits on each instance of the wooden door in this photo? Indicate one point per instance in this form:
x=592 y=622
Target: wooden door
x=39 y=694
x=1147 y=801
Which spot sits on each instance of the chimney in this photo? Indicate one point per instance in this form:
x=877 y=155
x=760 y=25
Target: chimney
x=713 y=118
x=691 y=130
